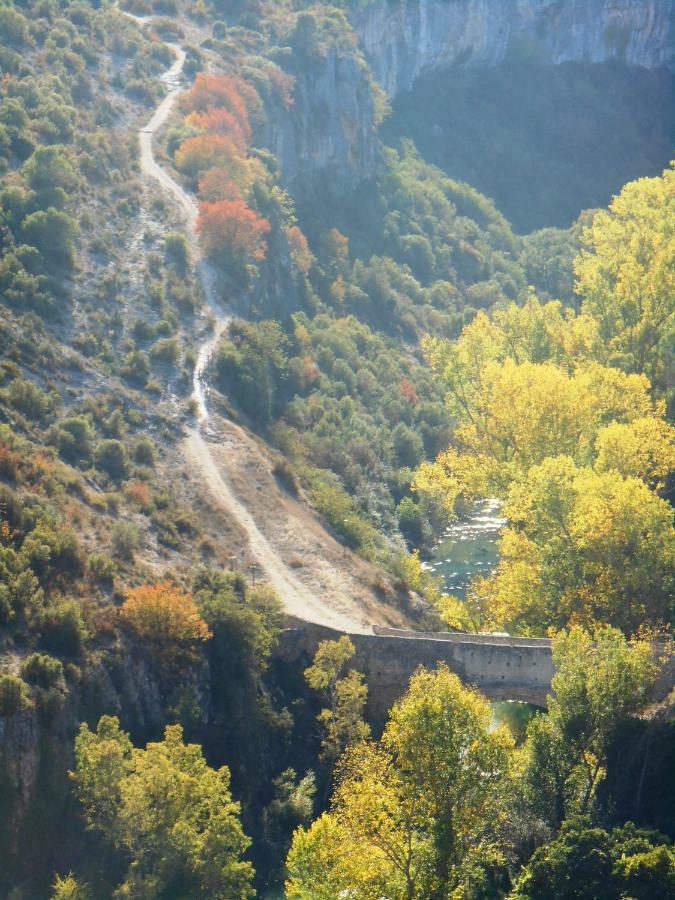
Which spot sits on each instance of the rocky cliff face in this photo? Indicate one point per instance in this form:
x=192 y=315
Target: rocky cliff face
x=330 y=127
x=36 y=746
x=329 y=132
x=403 y=39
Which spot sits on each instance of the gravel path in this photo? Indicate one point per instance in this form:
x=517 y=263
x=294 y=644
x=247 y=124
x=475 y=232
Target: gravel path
x=344 y=613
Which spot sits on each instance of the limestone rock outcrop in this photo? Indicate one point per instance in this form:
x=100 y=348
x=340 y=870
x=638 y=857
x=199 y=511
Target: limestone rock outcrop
x=403 y=39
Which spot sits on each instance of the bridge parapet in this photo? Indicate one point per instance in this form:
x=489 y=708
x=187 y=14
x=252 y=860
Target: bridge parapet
x=462 y=637
x=502 y=668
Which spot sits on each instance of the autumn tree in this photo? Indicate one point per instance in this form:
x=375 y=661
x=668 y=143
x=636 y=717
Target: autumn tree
x=575 y=447
x=442 y=737
x=600 y=680
x=215 y=120
x=419 y=814
x=207 y=151
x=226 y=92
x=344 y=694
x=69 y=888
x=166 y=810
x=533 y=332
x=626 y=275
x=581 y=547
x=230 y=232
x=300 y=253
x=531 y=382
x=217 y=184
x=374 y=843
x=335 y=247
x=643 y=448
x=514 y=416
x=167 y=620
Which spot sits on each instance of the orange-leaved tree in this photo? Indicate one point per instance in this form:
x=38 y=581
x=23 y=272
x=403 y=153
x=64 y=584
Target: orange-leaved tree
x=166 y=618
x=206 y=151
x=216 y=184
x=408 y=392
x=215 y=120
x=230 y=232
x=226 y=92
x=300 y=253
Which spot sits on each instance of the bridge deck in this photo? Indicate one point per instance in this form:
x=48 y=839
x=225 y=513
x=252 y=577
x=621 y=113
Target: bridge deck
x=462 y=637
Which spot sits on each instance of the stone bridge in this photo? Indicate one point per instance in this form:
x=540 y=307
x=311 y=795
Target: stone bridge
x=503 y=668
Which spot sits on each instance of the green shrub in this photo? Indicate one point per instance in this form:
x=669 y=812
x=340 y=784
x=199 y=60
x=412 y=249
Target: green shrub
x=53 y=233
x=42 y=670
x=29 y=399
x=408 y=446
x=74 y=439
x=144 y=451
x=62 y=628
x=13 y=26
x=332 y=501
x=142 y=330
x=165 y=350
x=136 y=368
x=51 y=550
x=167 y=532
x=284 y=474
x=49 y=168
x=101 y=568
x=114 y=426
x=14 y=696
x=177 y=249
x=111 y=458
x=411 y=521
x=124 y=539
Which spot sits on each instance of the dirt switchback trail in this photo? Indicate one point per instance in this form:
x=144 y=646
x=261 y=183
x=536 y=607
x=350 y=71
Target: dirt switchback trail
x=318 y=580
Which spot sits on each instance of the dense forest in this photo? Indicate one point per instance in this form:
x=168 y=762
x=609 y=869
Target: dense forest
x=266 y=329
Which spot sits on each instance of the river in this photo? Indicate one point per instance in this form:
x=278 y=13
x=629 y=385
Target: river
x=468 y=547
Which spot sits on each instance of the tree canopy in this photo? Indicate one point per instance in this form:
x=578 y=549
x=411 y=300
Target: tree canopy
x=626 y=276
x=169 y=814
x=419 y=812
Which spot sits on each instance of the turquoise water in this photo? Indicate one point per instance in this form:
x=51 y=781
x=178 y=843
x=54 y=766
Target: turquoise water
x=468 y=547
x=514 y=714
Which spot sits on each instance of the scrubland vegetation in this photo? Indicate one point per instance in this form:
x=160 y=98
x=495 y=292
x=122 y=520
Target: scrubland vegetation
x=404 y=351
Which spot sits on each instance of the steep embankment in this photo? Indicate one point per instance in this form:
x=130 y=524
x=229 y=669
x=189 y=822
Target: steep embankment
x=285 y=539
x=410 y=38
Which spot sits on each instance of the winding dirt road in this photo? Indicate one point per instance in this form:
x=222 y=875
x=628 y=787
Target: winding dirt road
x=341 y=594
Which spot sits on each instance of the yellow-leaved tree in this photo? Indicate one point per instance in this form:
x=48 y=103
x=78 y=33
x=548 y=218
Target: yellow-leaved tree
x=170 y=813
x=344 y=693
x=519 y=414
x=626 y=276
x=418 y=814
x=581 y=547
x=555 y=414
